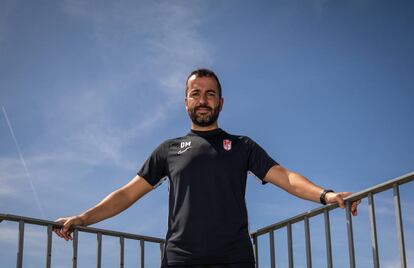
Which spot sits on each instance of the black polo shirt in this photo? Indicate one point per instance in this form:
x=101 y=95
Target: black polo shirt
x=207 y=170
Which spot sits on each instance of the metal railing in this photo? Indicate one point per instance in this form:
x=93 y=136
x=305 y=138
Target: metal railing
x=269 y=230
x=99 y=233
x=304 y=217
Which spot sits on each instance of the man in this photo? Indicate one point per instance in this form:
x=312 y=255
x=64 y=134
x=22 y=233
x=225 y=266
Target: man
x=207 y=169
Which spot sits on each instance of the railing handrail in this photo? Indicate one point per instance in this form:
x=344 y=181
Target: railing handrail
x=311 y=213
x=356 y=196
x=28 y=220
x=287 y=223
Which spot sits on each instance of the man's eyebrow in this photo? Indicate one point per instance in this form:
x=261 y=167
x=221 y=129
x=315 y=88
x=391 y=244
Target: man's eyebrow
x=196 y=89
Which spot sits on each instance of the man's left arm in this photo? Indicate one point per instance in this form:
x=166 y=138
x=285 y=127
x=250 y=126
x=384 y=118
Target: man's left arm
x=300 y=186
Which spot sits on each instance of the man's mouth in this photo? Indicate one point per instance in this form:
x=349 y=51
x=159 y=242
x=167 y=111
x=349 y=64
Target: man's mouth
x=203 y=109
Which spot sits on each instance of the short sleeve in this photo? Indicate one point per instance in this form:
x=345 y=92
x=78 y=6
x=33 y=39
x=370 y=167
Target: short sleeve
x=154 y=168
x=259 y=162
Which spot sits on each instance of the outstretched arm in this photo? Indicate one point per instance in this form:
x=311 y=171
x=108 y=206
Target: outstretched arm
x=300 y=186
x=111 y=205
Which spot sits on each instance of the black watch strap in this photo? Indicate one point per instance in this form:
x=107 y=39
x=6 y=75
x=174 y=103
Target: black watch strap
x=323 y=195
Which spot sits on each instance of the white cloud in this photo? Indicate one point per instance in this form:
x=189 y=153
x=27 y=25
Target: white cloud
x=162 y=45
x=166 y=32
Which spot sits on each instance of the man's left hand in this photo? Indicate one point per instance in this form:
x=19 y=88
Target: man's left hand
x=332 y=198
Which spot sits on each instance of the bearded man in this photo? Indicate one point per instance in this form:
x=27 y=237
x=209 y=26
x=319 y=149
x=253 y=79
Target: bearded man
x=207 y=171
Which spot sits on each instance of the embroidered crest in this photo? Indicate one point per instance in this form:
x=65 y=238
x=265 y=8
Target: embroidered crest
x=227 y=145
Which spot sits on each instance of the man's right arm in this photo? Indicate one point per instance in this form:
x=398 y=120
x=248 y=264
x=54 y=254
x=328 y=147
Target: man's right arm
x=111 y=205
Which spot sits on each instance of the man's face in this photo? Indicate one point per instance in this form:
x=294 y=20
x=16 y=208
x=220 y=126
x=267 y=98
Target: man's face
x=203 y=103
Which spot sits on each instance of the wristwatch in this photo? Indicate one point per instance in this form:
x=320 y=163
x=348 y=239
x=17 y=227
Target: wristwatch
x=323 y=195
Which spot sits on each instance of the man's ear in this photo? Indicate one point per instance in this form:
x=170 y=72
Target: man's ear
x=185 y=102
x=221 y=103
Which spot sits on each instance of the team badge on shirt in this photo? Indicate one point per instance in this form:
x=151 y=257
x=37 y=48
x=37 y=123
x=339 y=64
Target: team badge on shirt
x=227 y=145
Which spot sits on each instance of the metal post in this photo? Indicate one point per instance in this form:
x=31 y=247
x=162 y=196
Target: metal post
x=142 y=253
x=374 y=240
x=272 y=249
x=162 y=250
x=308 y=244
x=351 y=248
x=98 y=250
x=328 y=239
x=400 y=229
x=49 y=246
x=19 y=263
x=75 y=249
x=256 y=250
x=121 y=253
x=290 y=244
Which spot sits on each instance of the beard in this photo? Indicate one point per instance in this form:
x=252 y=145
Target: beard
x=204 y=120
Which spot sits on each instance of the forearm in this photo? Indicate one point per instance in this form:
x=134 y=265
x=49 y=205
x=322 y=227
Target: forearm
x=111 y=205
x=303 y=188
x=293 y=183
x=300 y=186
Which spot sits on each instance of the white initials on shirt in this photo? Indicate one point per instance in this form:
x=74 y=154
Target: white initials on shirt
x=185 y=145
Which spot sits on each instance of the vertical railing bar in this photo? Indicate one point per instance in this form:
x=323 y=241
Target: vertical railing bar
x=308 y=244
x=328 y=239
x=98 y=250
x=49 y=246
x=400 y=229
x=75 y=249
x=256 y=250
x=121 y=253
x=19 y=262
x=290 y=244
x=374 y=240
x=162 y=250
x=351 y=247
x=272 y=248
x=142 y=245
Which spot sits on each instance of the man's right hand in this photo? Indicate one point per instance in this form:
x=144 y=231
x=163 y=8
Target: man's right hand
x=65 y=232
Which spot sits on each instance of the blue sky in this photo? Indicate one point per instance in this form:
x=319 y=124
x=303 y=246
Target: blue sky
x=90 y=88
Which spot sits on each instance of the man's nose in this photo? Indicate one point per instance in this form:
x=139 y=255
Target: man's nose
x=203 y=99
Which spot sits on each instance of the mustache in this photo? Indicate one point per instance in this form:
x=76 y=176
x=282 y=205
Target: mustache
x=203 y=106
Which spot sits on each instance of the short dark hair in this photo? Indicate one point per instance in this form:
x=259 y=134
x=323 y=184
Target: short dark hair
x=203 y=73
